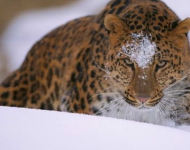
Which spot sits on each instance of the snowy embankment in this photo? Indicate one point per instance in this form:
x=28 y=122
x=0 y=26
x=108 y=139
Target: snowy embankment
x=26 y=129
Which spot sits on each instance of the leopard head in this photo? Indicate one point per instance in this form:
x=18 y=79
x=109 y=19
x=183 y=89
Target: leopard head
x=143 y=62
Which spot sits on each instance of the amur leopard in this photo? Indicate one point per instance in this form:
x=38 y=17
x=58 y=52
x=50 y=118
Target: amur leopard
x=131 y=61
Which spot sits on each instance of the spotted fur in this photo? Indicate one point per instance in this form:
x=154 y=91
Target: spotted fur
x=86 y=66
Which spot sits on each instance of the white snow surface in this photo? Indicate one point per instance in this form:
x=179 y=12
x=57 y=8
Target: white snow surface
x=27 y=129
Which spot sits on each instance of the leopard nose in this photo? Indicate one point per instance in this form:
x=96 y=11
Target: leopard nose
x=143 y=99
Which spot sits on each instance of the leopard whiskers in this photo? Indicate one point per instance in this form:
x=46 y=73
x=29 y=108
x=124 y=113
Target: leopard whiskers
x=126 y=111
x=120 y=109
x=175 y=83
x=178 y=81
x=169 y=99
x=108 y=105
x=173 y=95
x=124 y=108
x=102 y=69
x=104 y=75
x=161 y=111
x=168 y=106
x=176 y=92
x=167 y=103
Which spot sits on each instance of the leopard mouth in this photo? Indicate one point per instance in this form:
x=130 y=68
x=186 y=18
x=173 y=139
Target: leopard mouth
x=132 y=102
x=143 y=106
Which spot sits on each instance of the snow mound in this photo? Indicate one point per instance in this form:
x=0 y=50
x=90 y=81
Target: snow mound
x=22 y=129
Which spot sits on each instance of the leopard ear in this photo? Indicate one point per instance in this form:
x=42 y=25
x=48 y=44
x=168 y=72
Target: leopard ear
x=114 y=24
x=182 y=28
x=179 y=35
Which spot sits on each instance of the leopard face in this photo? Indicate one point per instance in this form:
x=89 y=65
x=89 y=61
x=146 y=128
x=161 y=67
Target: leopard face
x=143 y=66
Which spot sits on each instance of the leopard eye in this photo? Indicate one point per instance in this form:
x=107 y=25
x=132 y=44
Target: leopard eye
x=128 y=61
x=162 y=63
